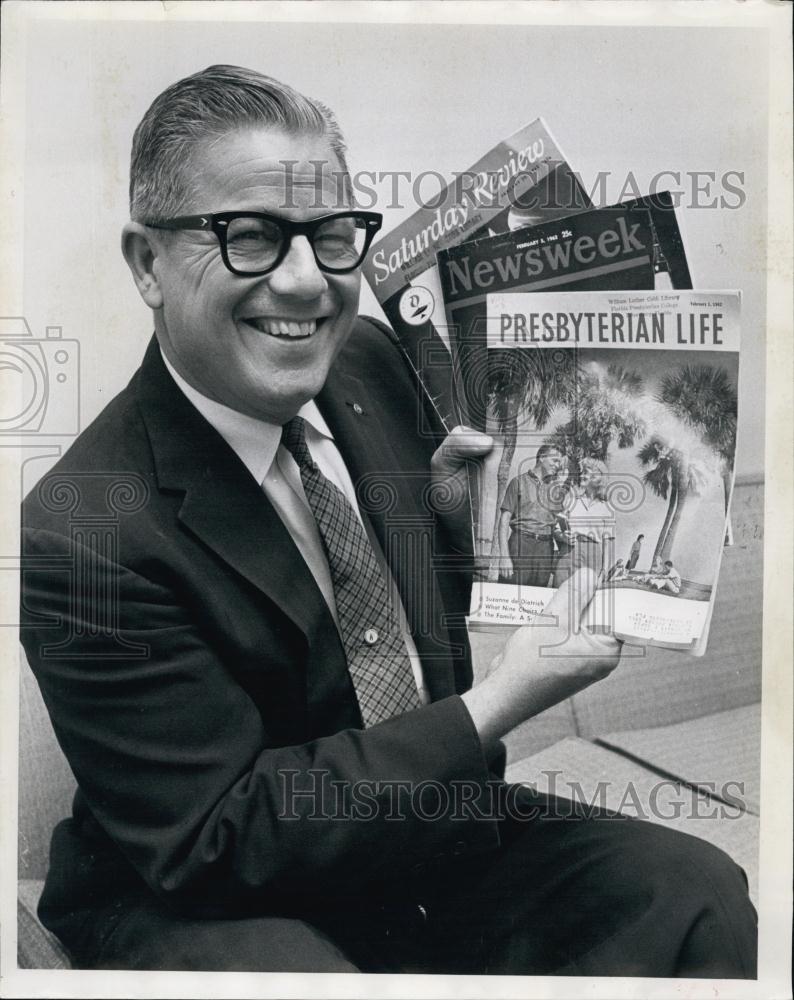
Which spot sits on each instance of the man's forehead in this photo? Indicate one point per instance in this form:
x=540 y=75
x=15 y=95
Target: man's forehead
x=285 y=171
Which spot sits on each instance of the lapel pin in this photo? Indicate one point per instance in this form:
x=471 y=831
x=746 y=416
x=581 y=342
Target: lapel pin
x=357 y=408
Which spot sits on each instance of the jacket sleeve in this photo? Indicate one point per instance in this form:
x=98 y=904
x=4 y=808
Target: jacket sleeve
x=173 y=759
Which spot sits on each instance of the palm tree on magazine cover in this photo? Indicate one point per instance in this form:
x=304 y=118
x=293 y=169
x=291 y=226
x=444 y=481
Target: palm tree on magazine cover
x=674 y=477
x=703 y=398
x=607 y=410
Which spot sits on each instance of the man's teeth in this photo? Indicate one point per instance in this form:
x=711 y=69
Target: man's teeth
x=285 y=327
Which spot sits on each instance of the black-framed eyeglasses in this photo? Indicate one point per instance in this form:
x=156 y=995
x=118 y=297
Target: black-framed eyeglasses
x=254 y=243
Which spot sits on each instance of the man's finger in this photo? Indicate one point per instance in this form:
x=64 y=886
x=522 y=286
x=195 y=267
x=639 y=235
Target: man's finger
x=582 y=584
x=605 y=642
x=578 y=590
x=460 y=444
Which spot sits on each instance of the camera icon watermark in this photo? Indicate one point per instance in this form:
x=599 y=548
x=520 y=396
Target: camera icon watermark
x=41 y=381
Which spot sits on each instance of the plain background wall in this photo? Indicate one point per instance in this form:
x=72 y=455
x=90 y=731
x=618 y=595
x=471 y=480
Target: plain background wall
x=409 y=98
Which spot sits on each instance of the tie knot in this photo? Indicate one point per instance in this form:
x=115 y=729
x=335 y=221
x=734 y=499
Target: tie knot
x=293 y=437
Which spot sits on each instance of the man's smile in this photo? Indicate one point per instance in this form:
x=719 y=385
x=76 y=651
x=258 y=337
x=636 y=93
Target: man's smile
x=288 y=329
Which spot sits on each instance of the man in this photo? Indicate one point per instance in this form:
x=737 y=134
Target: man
x=669 y=579
x=275 y=772
x=634 y=555
x=529 y=510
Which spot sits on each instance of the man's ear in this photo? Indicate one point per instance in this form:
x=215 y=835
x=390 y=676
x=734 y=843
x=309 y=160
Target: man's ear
x=140 y=251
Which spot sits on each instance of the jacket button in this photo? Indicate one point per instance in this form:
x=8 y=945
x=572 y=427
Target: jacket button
x=459 y=847
x=371 y=636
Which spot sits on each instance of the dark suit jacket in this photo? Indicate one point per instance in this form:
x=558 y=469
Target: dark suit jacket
x=193 y=671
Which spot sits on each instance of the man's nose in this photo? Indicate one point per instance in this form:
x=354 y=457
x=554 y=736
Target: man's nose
x=298 y=274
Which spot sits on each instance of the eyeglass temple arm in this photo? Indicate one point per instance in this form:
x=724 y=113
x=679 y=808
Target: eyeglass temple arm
x=372 y=222
x=183 y=222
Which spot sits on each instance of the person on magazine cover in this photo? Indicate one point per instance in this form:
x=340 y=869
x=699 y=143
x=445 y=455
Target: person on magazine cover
x=656 y=570
x=281 y=762
x=669 y=579
x=634 y=555
x=585 y=527
x=529 y=509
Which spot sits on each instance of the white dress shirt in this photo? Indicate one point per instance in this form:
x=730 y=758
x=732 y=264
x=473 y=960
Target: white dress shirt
x=258 y=446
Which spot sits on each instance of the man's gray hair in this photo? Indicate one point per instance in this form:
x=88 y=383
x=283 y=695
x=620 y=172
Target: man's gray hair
x=208 y=105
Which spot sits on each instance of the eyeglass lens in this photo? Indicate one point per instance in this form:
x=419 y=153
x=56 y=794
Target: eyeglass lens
x=254 y=244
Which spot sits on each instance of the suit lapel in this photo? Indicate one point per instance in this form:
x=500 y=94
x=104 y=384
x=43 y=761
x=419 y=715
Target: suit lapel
x=223 y=504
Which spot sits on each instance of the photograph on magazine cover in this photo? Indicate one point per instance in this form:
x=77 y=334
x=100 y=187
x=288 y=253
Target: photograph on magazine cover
x=384 y=395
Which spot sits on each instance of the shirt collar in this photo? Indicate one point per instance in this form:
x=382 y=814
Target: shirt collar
x=254 y=441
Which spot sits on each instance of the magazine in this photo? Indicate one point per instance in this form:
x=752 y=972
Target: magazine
x=524 y=179
x=636 y=244
x=619 y=458
x=600 y=249
x=670 y=265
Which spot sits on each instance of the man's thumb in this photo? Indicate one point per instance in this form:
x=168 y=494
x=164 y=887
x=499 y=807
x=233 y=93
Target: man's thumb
x=460 y=445
x=577 y=591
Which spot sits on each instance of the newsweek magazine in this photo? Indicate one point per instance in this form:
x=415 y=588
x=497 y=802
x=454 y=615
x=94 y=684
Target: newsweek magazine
x=634 y=245
x=620 y=462
x=523 y=180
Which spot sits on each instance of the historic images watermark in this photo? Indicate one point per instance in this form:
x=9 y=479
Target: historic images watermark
x=42 y=381
x=406 y=189
x=314 y=794
x=39 y=412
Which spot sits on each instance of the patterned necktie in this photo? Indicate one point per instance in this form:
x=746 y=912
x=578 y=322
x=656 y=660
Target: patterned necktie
x=376 y=655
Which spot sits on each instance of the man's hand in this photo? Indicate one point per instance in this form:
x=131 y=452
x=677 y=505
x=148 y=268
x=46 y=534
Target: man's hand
x=543 y=663
x=450 y=480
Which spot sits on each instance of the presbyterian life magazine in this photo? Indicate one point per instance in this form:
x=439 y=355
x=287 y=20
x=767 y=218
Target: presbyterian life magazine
x=624 y=468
